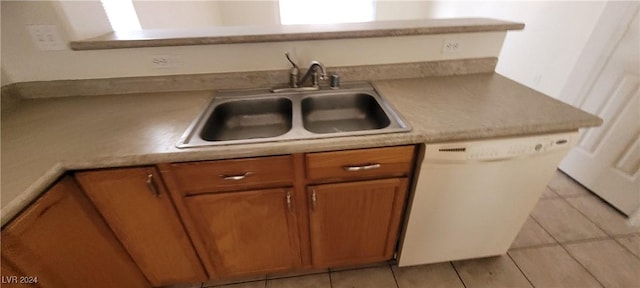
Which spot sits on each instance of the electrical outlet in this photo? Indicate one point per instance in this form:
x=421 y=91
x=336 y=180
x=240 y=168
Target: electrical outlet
x=451 y=46
x=162 y=61
x=46 y=37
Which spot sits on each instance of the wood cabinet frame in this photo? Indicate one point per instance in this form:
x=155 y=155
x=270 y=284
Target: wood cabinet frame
x=399 y=161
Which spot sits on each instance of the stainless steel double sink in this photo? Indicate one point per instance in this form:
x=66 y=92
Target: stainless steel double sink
x=252 y=116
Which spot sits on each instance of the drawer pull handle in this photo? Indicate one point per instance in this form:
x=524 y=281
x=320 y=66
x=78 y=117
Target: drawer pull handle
x=289 y=200
x=152 y=185
x=313 y=199
x=235 y=177
x=362 y=167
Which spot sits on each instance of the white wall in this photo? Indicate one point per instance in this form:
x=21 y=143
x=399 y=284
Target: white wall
x=240 y=13
x=177 y=14
x=543 y=55
x=22 y=61
x=80 y=19
x=403 y=10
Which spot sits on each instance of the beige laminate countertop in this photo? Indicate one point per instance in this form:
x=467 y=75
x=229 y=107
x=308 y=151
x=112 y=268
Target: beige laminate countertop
x=43 y=138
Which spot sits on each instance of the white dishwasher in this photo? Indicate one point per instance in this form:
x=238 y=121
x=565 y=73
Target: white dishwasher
x=472 y=198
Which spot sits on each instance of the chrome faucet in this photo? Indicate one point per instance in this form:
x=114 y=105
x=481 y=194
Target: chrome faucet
x=313 y=71
x=316 y=71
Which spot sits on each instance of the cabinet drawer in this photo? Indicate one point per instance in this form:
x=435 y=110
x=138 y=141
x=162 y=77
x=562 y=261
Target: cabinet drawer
x=232 y=175
x=360 y=163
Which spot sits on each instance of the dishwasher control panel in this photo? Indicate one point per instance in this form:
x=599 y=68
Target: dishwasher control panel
x=497 y=149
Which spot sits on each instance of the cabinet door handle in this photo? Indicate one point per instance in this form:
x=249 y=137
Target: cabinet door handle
x=289 y=201
x=235 y=177
x=152 y=185
x=362 y=167
x=313 y=199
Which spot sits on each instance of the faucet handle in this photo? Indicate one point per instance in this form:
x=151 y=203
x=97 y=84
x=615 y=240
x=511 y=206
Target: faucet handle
x=286 y=54
x=293 y=72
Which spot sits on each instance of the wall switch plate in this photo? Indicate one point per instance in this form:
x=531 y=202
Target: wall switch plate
x=162 y=61
x=46 y=37
x=451 y=46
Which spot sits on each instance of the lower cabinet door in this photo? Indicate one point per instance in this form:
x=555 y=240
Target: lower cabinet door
x=249 y=232
x=356 y=222
x=139 y=210
x=61 y=241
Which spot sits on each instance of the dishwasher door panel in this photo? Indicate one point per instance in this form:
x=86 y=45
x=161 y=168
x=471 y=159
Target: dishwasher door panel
x=465 y=208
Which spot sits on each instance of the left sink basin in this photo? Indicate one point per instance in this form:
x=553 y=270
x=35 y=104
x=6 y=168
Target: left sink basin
x=248 y=119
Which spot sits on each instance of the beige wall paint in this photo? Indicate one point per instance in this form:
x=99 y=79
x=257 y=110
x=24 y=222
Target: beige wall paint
x=404 y=10
x=240 y=13
x=73 y=15
x=177 y=14
x=22 y=61
x=4 y=78
x=543 y=55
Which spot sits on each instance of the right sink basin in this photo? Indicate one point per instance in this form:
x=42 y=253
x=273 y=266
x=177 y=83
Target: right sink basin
x=342 y=112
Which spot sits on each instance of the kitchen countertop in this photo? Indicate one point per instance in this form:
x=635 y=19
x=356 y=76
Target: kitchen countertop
x=43 y=138
x=275 y=33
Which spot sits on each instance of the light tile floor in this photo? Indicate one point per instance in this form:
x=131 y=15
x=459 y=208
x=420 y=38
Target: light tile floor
x=572 y=239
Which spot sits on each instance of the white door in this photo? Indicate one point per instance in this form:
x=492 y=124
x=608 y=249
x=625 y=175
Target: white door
x=606 y=82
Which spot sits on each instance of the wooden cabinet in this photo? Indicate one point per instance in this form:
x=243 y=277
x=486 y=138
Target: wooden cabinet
x=355 y=222
x=249 y=232
x=352 y=221
x=62 y=240
x=272 y=214
x=194 y=178
x=242 y=213
x=137 y=207
x=360 y=163
x=212 y=219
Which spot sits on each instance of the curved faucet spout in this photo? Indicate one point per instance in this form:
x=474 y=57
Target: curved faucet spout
x=312 y=71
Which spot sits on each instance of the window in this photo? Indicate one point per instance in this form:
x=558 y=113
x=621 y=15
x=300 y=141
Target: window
x=326 y=11
x=122 y=15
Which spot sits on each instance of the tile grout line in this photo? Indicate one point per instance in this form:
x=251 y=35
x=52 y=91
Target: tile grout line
x=457 y=273
x=585 y=188
x=583 y=266
x=234 y=283
x=522 y=272
x=394 y=276
x=569 y=196
x=545 y=229
x=571 y=241
x=625 y=247
x=586 y=240
x=533 y=246
x=591 y=194
x=300 y=275
x=585 y=216
x=574 y=181
x=562 y=245
x=610 y=235
x=567 y=251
